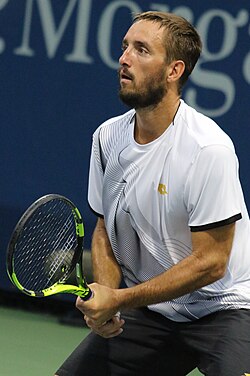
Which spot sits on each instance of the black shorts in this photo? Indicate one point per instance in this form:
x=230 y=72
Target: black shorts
x=218 y=344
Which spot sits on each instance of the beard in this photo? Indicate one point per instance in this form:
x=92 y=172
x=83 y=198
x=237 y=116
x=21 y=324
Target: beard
x=149 y=94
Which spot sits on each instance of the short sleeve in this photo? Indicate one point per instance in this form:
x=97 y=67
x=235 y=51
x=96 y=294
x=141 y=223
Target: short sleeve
x=213 y=191
x=95 y=184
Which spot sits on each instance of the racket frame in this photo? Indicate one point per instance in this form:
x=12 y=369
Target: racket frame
x=60 y=286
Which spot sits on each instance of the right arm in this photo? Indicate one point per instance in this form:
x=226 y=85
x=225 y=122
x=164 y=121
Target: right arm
x=106 y=270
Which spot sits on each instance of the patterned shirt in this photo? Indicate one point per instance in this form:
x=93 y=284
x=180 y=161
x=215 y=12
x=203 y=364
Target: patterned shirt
x=153 y=196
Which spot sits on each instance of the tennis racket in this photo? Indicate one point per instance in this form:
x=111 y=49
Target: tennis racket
x=46 y=248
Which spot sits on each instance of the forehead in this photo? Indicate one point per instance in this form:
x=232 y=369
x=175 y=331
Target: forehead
x=145 y=31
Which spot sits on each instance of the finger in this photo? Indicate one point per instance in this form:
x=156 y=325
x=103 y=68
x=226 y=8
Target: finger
x=109 y=327
x=108 y=332
x=113 y=334
x=91 y=323
x=80 y=305
x=117 y=320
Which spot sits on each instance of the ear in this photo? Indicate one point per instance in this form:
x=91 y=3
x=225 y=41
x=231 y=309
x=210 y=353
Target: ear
x=175 y=70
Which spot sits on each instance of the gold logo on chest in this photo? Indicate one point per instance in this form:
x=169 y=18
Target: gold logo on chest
x=162 y=189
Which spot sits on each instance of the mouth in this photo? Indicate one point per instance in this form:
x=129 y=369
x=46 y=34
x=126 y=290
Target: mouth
x=125 y=76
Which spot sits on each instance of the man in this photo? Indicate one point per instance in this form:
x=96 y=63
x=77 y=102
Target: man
x=172 y=224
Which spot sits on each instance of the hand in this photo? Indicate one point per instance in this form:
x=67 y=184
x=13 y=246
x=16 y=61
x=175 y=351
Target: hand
x=102 y=307
x=110 y=329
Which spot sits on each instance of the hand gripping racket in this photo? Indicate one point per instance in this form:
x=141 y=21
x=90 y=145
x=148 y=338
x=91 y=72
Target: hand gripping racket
x=46 y=248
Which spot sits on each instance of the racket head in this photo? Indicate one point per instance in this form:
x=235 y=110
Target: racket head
x=45 y=247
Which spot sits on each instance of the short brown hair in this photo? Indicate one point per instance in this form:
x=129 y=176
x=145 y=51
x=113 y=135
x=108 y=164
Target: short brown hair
x=181 y=39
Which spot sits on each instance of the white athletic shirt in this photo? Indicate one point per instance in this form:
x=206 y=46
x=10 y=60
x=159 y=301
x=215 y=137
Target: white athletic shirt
x=152 y=196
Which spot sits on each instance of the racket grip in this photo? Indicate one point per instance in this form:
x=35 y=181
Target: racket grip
x=87 y=294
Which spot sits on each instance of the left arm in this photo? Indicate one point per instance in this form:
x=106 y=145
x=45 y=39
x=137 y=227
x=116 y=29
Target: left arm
x=206 y=264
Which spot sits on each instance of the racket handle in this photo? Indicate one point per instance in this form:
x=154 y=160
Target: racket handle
x=88 y=294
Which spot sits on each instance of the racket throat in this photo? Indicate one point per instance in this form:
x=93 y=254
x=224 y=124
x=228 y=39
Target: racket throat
x=81 y=282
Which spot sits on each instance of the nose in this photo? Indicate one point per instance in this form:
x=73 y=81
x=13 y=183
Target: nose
x=125 y=58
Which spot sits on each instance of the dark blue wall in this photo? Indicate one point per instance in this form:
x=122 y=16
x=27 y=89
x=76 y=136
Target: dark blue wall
x=58 y=61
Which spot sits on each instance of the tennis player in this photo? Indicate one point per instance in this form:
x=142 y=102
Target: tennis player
x=172 y=224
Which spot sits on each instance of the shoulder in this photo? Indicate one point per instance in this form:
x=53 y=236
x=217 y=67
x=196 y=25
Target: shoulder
x=201 y=130
x=114 y=131
x=115 y=124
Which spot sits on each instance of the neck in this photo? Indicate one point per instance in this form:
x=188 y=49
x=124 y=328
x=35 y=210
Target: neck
x=151 y=123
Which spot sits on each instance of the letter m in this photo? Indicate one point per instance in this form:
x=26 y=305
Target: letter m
x=52 y=34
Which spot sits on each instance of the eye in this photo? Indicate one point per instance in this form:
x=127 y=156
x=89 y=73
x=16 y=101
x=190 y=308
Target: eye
x=142 y=50
x=124 y=47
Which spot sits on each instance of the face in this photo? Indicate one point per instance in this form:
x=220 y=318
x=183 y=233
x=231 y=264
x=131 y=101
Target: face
x=143 y=68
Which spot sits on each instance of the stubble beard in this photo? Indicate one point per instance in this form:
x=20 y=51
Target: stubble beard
x=150 y=95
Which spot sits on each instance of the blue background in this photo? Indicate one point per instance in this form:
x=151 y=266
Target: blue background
x=51 y=103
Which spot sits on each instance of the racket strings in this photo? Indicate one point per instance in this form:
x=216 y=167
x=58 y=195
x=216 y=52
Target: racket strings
x=45 y=247
x=65 y=253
